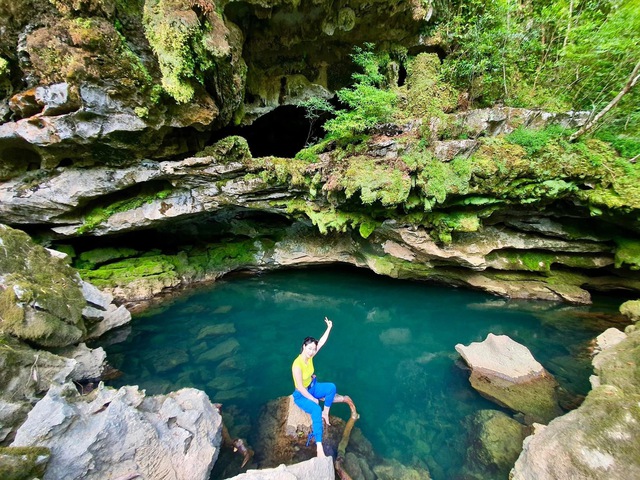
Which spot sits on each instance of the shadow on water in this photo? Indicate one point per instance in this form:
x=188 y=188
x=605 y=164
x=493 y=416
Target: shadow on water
x=392 y=349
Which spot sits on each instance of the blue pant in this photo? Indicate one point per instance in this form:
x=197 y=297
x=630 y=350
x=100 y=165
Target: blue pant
x=319 y=391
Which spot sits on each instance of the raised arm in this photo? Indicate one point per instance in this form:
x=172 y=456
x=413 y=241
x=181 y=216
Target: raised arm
x=325 y=335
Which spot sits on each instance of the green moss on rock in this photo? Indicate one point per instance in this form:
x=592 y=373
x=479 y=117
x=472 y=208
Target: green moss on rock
x=631 y=310
x=495 y=443
x=230 y=149
x=42 y=301
x=373 y=180
x=426 y=94
x=170 y=270
x=98 y=256
x=85 y=49
x=23 y=463
x=627 y=253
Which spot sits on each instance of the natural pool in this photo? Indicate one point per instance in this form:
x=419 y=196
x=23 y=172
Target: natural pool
x=391 y=349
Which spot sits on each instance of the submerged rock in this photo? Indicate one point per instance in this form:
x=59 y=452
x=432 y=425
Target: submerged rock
x=114 y=433
x=495 y=441
x=505 y=372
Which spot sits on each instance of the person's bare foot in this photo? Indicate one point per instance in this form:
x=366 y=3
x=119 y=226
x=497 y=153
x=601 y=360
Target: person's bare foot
x=320 y=450
x=325 y=417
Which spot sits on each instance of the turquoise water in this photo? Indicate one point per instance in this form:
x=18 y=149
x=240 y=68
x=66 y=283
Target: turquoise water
x=391 y=349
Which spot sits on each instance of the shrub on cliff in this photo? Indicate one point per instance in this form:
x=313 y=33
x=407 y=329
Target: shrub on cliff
x=368 y=102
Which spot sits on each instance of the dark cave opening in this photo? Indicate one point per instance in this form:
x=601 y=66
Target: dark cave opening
x=283 y=132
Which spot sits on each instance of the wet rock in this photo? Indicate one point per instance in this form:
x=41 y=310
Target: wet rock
x=220 y=351
x=27 y=372
x=395 y=470
x=168 y=359
x=229 y=395
x=114 y=433
x=216 y=330
x=312 y=469
x=298 y=422
x=495 y=443
x=275 y=446
x=505 y=372
x=358 y=467
x=12 y=414
x=101 y=313
x=598 y=439
x=227 y=382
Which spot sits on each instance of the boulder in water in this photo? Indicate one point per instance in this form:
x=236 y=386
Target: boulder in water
x=505 y=372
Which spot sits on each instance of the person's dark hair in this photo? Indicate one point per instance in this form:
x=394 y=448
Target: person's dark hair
x=307 y=341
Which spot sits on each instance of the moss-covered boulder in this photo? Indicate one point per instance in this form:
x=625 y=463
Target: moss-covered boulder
x=495 y=441
x=41 y=298
x=505 y=372
x=23 y=463
x=631 y=310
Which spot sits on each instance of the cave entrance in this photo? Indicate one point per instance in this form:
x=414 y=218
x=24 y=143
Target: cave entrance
x=283 y=132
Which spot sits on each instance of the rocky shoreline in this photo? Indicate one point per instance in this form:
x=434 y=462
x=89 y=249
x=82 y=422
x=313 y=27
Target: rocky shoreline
x=121 y=152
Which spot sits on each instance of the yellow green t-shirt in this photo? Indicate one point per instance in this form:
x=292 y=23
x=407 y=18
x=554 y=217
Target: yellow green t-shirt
x=307 y=370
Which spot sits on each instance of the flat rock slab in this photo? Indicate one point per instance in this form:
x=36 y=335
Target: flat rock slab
x=500 y=356
x=506 y=373
x=313 y=469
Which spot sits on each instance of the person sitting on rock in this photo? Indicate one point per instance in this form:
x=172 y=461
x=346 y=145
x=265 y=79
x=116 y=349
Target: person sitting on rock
x=308 y=392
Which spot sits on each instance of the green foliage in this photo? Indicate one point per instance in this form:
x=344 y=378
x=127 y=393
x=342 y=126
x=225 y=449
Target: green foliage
x=315 y=107
x=4 y=67
x=534 y=140
x=623 y=139
x=561 y=55
x=283 y=171
x=368 y=102
x=330 y=219
x=436 y=179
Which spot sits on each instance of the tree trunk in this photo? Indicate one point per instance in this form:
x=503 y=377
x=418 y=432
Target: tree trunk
x=587 y=127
